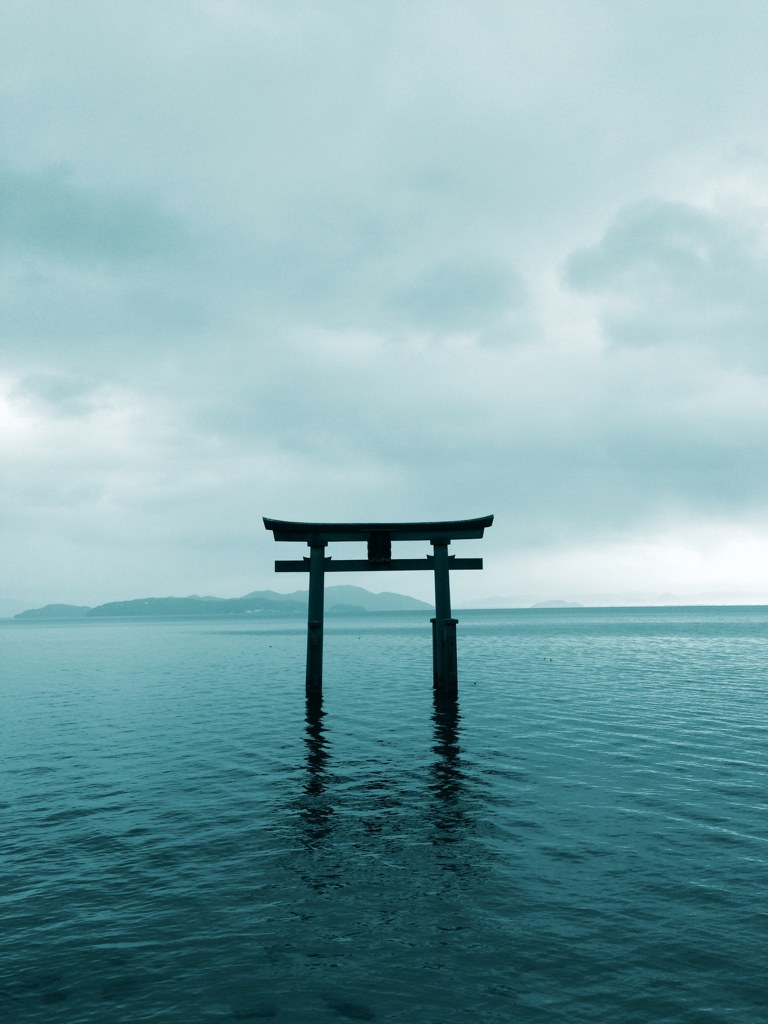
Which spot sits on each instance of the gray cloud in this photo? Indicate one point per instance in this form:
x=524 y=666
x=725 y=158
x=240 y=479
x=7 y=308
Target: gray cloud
x=458 y=296
x=90 y=277
x=46 y=213
x=59 y=395
x=680 y=274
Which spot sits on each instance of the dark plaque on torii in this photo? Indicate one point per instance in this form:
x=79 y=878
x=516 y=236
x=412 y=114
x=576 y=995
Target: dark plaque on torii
x=379 y=537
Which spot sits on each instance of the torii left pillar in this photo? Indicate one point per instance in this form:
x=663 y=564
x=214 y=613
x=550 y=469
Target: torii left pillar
x=315 y=614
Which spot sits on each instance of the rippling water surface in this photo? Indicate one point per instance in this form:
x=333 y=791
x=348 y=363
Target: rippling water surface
x=581 y=838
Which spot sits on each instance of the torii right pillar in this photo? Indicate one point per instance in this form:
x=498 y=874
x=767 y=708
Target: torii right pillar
x=444 y=660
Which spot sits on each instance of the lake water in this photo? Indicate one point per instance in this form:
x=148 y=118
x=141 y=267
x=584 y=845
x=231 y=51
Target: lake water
x=583 y=837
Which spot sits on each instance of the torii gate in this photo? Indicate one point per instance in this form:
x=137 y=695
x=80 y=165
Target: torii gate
x=379 y=537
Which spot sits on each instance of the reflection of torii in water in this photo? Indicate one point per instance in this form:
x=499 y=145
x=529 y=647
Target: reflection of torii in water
x=379 y=537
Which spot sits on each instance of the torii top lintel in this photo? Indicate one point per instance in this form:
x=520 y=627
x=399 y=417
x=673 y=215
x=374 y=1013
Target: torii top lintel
x=322 y=533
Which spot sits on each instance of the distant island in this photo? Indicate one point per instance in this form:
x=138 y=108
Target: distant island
x=557 y=604
x=341 y=600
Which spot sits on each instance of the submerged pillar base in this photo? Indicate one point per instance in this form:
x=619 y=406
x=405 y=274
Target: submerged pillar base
x=445 y=669
x=314 y=681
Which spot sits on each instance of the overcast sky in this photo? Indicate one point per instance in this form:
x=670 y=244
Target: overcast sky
x=332 y=259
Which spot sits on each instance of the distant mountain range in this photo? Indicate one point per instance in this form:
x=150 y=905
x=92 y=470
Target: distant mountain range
x=338 y=600
x=557 y=604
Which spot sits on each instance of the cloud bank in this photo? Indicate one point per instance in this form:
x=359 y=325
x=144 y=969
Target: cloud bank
x=361 y=261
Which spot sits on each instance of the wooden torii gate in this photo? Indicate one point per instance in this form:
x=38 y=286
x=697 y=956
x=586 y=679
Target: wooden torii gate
x=379 y=537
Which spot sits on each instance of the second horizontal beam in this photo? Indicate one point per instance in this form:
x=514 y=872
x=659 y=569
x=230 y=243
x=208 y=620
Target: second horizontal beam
x=363 y=565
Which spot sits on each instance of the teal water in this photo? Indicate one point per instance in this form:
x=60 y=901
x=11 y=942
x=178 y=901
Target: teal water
x=583 y=837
